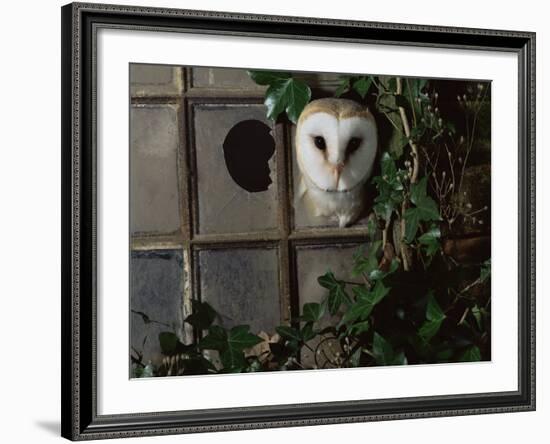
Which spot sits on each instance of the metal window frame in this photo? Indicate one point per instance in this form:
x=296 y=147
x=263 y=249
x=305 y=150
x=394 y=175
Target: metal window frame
x=286 y=237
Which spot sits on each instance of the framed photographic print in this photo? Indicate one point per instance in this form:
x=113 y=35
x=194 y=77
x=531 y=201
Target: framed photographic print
x=280 y=221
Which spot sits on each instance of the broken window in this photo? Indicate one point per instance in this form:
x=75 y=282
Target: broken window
x=213 y=215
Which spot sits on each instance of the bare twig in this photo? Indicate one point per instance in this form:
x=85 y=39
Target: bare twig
x=385 y=233
x=407 y=129
x=404 y=246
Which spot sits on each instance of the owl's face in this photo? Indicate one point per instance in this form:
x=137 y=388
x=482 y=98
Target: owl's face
x=336 y=142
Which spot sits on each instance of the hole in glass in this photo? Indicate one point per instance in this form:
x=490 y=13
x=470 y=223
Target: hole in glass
x=247 y=149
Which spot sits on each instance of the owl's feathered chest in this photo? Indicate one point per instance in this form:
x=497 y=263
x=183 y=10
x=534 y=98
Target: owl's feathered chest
x=344 y=206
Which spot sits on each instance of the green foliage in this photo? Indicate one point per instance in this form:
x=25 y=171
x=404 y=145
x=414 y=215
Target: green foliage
x=485 y=270
x=289 y=333
x=360 y=84
x=230 y=344
x=144 y=371
x=313 y=312
x=202 y=317
x=471 y=354
x=266 y=78
x=390 y=188
x=337 y=293
x=168 y=342
x=365 y=300
x=384 y=354
x=284 y=94
x=434 y=319
x=367 y=265
x=424 y=209
x=430 y=240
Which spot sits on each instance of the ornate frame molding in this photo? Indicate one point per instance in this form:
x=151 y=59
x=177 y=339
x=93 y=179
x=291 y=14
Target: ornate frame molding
x=79 y=411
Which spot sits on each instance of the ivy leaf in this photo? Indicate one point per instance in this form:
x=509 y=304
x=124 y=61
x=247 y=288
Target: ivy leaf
x=215 y=340
x=358 y=328
x=444 y=355
x=367 y=264
x=148 y=371
x=378 y=274
x=355 y=359
x=485 y=271
x=337 y=294
x=288 y=332
x=168 y=342
x=376 y=294
x=307 y=332
x=399 y=359
x=416 y=86
x=203 y=315
x=429 y=329
x=343 y=87
x=413 y=90
x=425 y=209
x=240 y=338
x=389 y=186
x=472 y=354
x=365 y=303
x=313 y=312
x=433 y=310
x=384 y=353
x=267 y=77
x=389 y=170
x=290 y=95
x=430 y=240
x=417 y=132
x=384 y=210
x=328 y=280
x=362 y=85
x=476 y=313
x=230 y=345
x=336 y=298
x=412 y=221
x=435 y=318
x=371 y=227
x=233 y=360
x=144 y=372
x=381 y=350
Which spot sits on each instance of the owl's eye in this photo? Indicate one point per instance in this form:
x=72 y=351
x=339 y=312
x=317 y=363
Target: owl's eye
x=353 y=144
x=320 y=142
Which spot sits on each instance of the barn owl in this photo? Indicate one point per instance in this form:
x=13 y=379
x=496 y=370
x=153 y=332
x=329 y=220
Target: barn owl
x=336 y=143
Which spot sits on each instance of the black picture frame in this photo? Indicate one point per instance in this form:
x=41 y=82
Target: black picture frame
x=79 y=396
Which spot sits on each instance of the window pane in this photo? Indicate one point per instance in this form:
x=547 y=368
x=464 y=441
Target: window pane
x=242 y=285
x=156 y=299
x=236 y=173
x=155 y=80
x=154 y=142
x=315 y=261
x=223 y=78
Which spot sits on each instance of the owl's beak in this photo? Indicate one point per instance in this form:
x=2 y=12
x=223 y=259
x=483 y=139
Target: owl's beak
x=337 y=171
